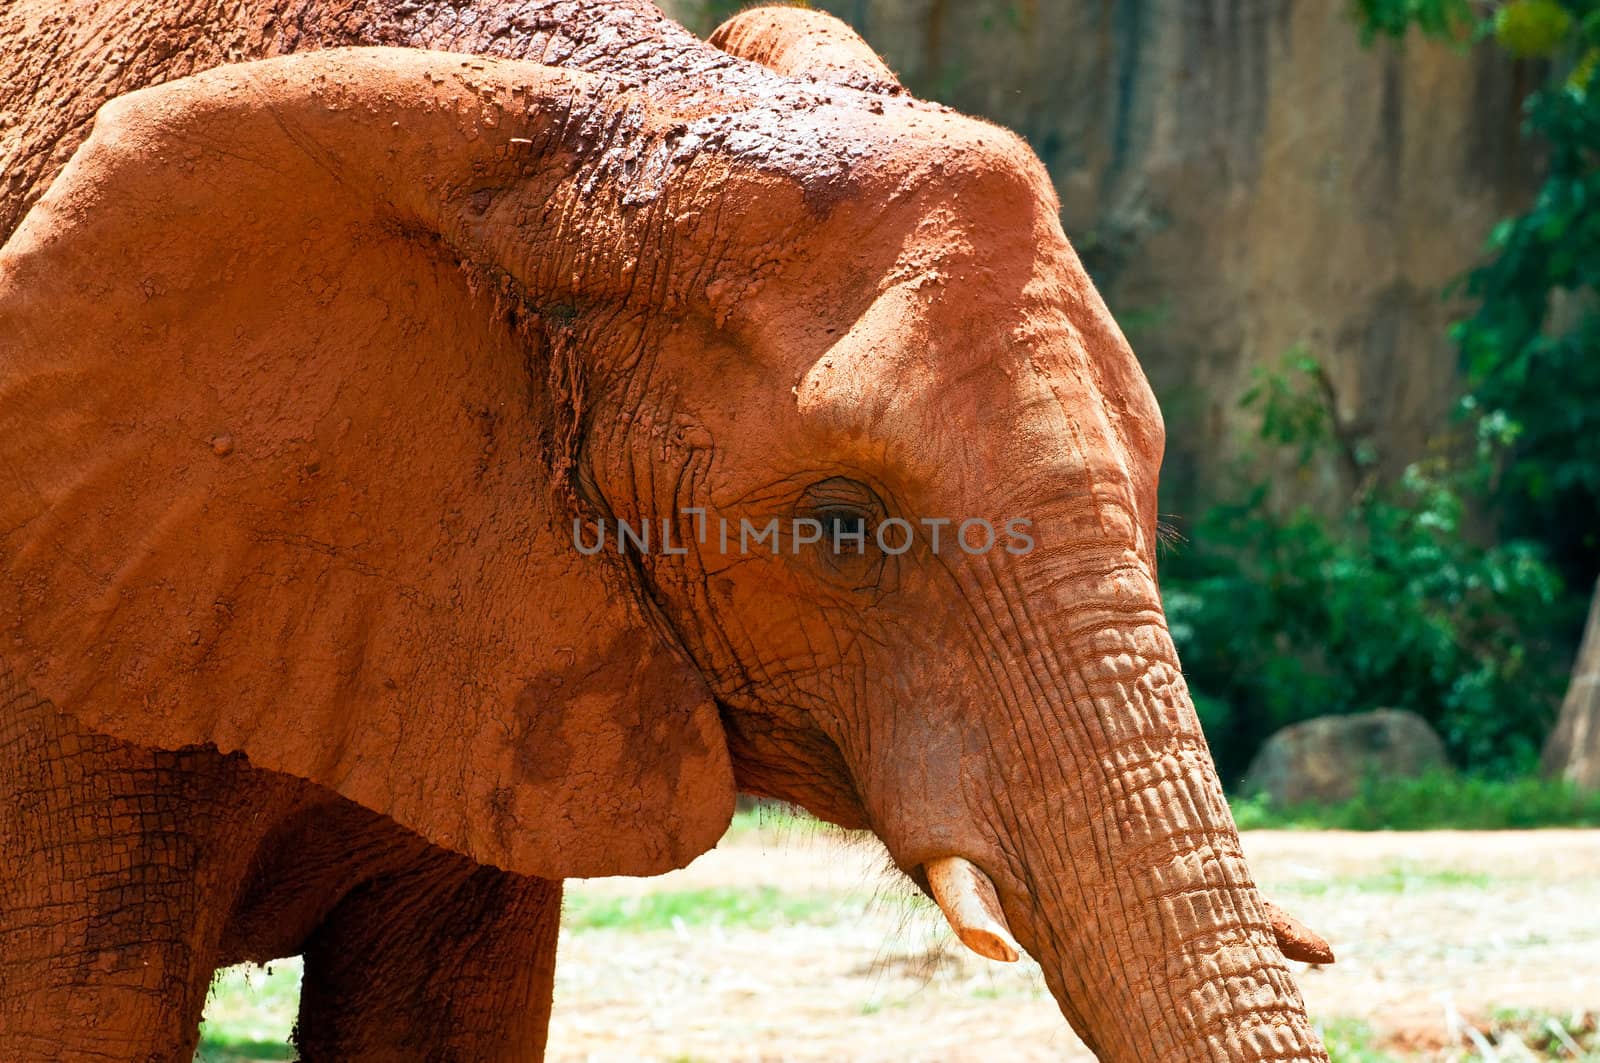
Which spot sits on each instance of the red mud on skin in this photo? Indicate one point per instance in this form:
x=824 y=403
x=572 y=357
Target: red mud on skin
x=308 y=365
x=1298 y=941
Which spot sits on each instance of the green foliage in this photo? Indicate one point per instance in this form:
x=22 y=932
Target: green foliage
x=1531 y=28
x=1434 y=802
x=1285 y=612
x=1529 y=347
x=1529 y=350
x=1392 y=18
x=250 y=1012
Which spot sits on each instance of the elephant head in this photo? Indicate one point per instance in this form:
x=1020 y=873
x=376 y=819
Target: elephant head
x=319 y=374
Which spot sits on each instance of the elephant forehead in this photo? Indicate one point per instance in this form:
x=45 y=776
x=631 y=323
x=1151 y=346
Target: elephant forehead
x=836 y=141
x=874 y=310
x=868 y=184
x=933 y=348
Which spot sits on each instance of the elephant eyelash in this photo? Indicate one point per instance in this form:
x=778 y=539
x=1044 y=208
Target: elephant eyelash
x=841 y=494
x=1168 y=537
x=839 y=523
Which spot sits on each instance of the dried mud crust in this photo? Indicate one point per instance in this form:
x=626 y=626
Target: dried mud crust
x=1422 y=922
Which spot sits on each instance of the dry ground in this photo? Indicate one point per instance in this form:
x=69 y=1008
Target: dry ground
x=792 y=943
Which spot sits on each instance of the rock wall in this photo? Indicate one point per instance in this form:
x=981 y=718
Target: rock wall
x=1243 y=177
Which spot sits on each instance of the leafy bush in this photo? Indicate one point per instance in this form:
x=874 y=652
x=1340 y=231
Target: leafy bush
x=1284 y=612
x=1440 y=18
x=1528 y=349
x=1434 y=802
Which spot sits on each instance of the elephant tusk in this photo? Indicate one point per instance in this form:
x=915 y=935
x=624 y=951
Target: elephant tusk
x=969 y=902
x=1296 y=940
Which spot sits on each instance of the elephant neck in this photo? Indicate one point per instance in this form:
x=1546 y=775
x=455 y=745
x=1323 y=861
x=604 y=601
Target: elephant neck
x=629 y=41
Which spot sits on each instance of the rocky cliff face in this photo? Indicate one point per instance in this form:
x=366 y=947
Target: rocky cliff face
x=1243 y=176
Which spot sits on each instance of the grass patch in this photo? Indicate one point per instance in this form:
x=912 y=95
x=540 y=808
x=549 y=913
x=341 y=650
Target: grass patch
x=1575 y=1035
x=1433 y=802
x=776 y=819
x=250 y=1013
x=1397 y=878
x=1010 y=990
x=220 y=1052
x=1352 y=1041
x=761 y=908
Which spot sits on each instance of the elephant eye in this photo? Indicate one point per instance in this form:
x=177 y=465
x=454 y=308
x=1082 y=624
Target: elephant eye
x=844 y=531
x=850 y=513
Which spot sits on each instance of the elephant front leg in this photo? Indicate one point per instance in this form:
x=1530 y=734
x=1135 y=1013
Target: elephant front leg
x=447 y=961
x=117 y=865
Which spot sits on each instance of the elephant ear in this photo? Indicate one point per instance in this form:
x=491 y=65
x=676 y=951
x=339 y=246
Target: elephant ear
x=273 y=478
x=798 y=42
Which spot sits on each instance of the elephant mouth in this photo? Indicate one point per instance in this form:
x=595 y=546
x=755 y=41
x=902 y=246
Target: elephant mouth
x=971 y=904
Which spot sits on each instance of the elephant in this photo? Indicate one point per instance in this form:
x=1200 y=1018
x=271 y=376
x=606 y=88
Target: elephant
x=448 y=447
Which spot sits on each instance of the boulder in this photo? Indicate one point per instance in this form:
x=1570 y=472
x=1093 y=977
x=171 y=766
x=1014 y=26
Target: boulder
x=1326 y=760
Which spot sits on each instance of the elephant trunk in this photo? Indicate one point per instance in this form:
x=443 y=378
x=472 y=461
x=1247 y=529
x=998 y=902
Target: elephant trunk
x=1158 y=947
x=1116 y=863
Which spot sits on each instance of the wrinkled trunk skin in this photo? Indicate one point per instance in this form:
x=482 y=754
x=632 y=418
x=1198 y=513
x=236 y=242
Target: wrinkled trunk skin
x=1127 y=880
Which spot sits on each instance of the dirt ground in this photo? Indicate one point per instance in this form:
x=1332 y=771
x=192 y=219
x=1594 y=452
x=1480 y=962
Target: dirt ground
x=1429 y=928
